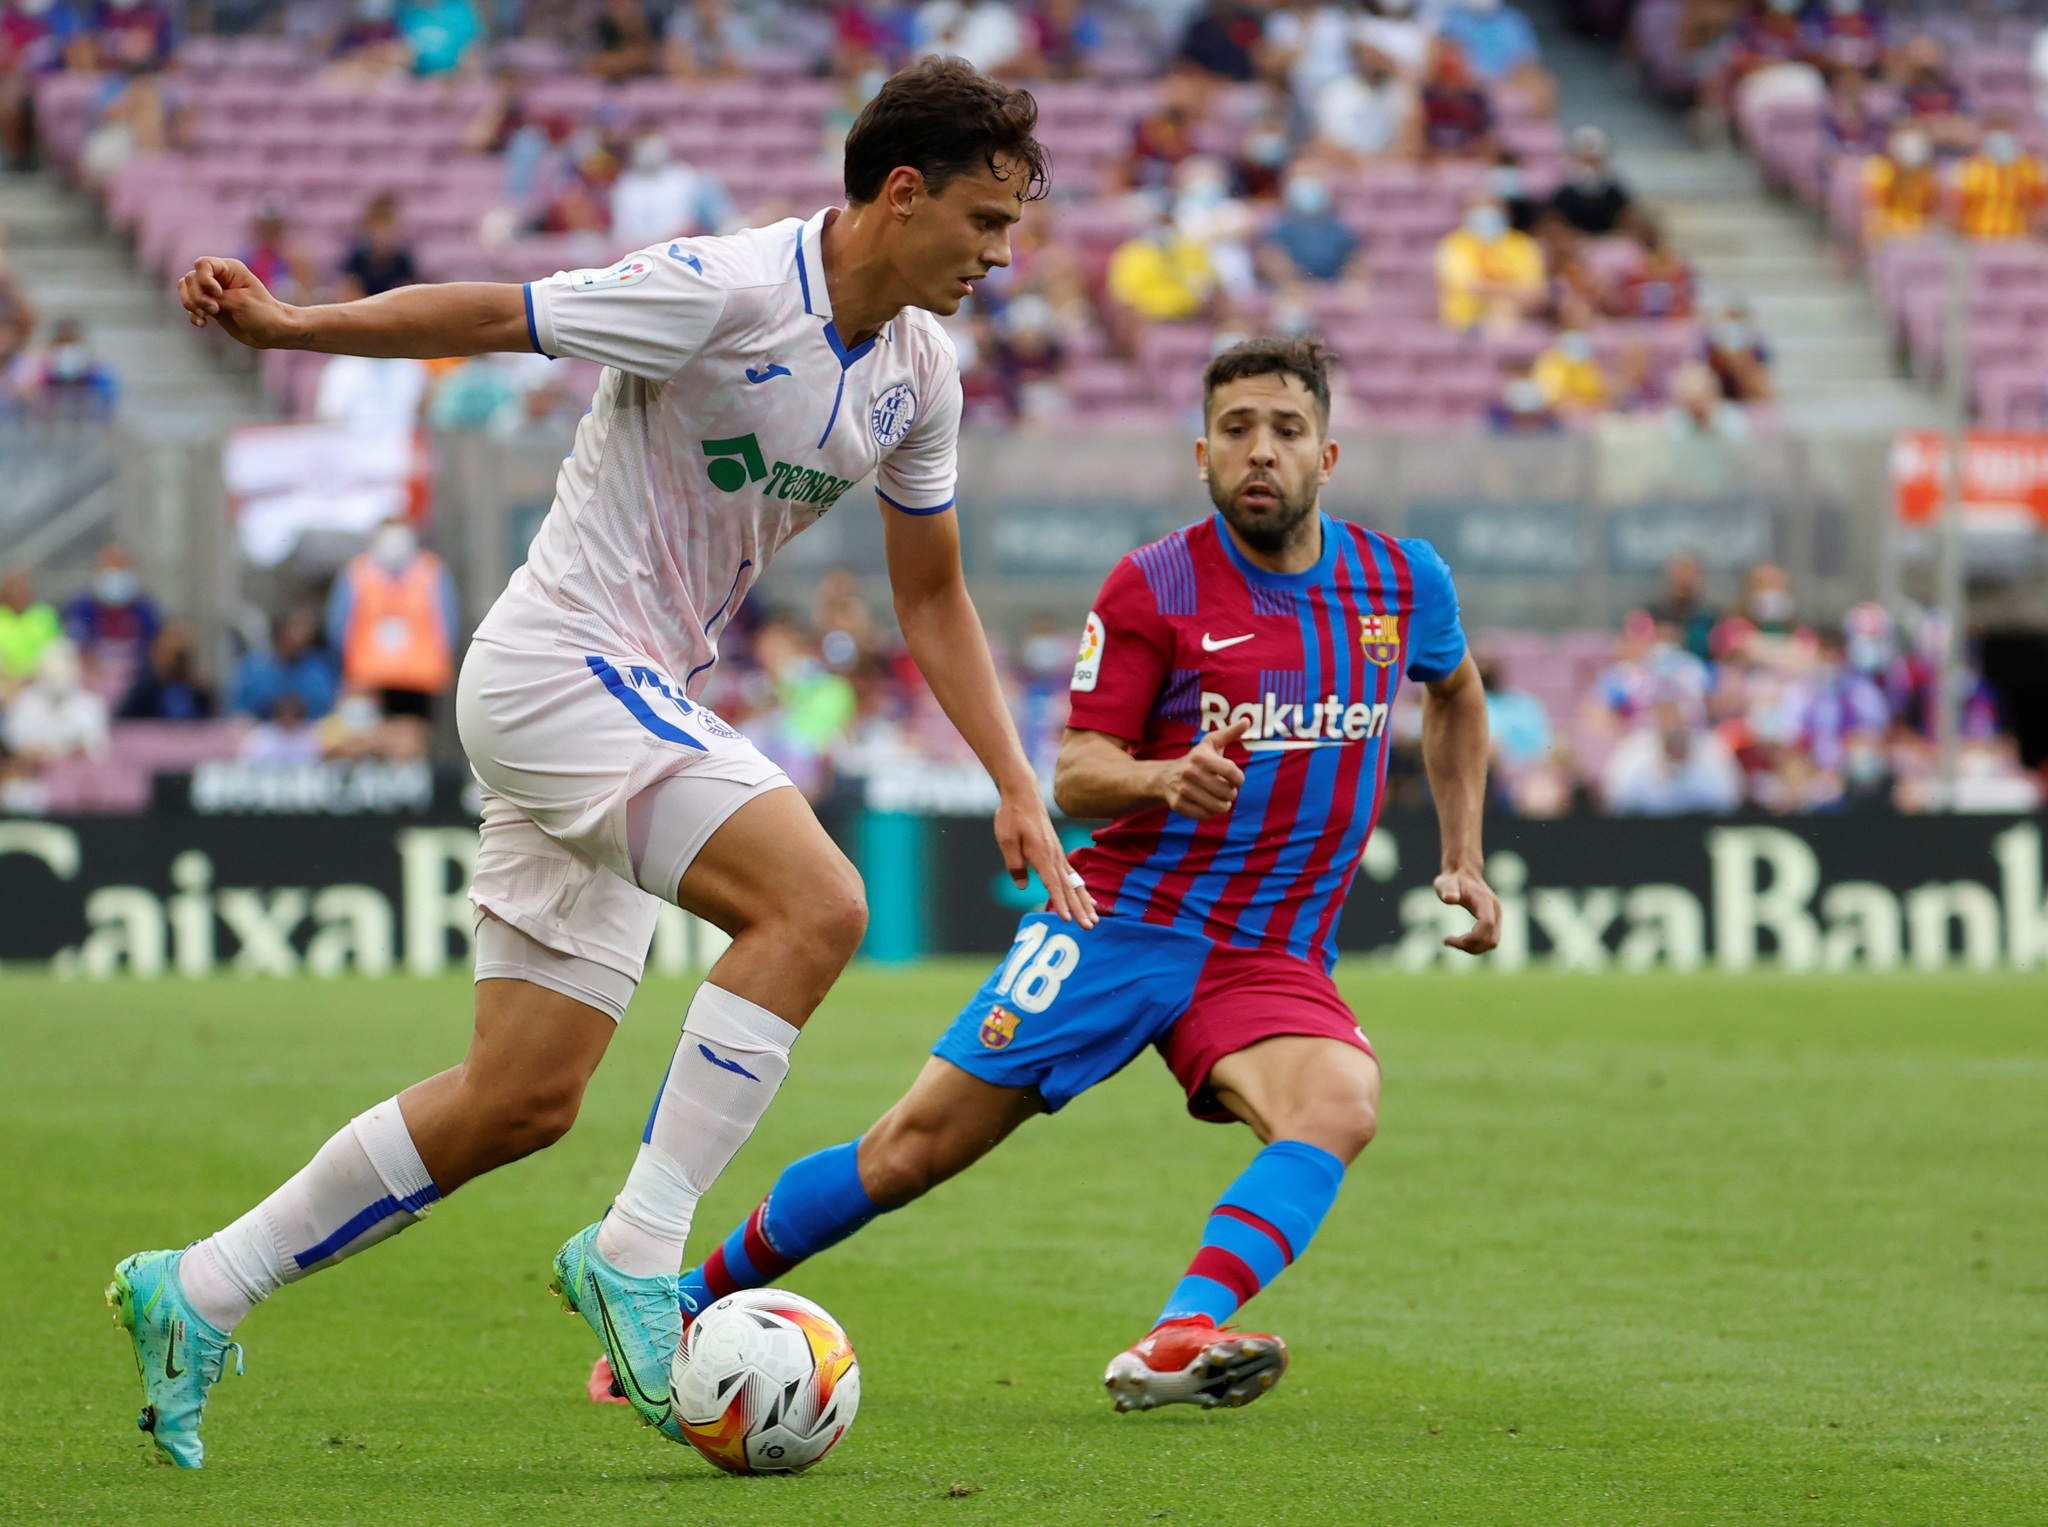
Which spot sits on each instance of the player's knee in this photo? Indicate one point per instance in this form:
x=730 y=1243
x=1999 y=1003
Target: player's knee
x=1343 y=1125
x=835 y=920
x=534 y=1115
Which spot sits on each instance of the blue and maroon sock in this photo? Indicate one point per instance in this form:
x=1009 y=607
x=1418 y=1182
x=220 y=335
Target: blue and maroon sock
x=1262 y=1223
x=816 y=1202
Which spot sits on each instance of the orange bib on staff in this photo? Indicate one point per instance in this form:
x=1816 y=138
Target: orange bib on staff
x=395 y=638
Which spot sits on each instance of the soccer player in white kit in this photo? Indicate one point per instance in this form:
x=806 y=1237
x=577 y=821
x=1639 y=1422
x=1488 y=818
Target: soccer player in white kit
x=750 y=381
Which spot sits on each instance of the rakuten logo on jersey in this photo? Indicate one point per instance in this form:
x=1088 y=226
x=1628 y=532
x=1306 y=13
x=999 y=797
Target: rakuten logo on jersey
x=1276 y=727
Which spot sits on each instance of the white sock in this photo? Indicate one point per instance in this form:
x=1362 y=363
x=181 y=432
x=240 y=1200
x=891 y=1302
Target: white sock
x=363 y=1186
x=732 y=1058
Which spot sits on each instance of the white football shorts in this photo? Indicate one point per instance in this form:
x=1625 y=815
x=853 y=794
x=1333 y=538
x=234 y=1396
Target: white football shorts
x=563 y=743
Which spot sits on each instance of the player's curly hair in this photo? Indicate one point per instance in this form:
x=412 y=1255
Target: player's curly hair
x=943 y=118
x=1303 y=359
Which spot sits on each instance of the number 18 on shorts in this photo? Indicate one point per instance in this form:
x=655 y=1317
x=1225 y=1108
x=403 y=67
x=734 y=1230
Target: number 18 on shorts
x=1069 y=1007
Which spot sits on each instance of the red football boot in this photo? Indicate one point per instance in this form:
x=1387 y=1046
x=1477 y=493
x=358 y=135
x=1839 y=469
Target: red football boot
x=603 y=1388
x=1191 y=1362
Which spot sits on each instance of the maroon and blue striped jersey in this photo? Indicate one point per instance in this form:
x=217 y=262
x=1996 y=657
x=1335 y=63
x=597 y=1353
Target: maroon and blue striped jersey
x=1188 y=636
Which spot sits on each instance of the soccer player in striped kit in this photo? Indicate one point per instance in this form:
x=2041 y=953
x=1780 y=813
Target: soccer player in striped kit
x=1229 y=718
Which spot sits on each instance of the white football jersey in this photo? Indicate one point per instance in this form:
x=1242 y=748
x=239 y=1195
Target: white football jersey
x=730 y=416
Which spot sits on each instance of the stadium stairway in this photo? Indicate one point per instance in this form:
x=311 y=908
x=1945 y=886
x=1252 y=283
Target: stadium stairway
x=173 y=386
x=1835 y=367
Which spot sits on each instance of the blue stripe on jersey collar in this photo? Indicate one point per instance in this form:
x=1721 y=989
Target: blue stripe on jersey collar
x=810 y=265
x=1302 y=579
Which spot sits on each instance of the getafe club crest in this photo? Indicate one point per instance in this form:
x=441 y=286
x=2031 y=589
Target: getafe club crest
x=1380 y=637
x=895 y=411
x=999 y=1027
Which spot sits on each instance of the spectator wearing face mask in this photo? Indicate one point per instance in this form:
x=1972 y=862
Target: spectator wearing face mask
x=113 y=623
x=1574 y=383
x=659 y=197
x=63 y=378
x=1368 y=112
x=1900 y=188
x=1521 y=408
x=1739 y=355
x=391 y=616
x=1487 y=274
x=1308 y=241
x=1767 y=600
x=169 y=687
x=1592 y=199
x=1500 y=46
x=1999 y=189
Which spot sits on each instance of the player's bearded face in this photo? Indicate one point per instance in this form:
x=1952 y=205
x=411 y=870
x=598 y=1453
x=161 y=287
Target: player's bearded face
x=1261 y=509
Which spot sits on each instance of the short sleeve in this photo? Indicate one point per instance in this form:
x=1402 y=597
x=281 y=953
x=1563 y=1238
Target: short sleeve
x=921 y=472
x=646 y=315
x=1436 y=639
x=1126 y=653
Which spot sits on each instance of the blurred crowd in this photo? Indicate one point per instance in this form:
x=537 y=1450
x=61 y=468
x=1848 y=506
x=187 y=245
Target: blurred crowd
x=47 y=370
x=1238 y=197
x=1710 y=710
x=1693 y=708
x=359 y=679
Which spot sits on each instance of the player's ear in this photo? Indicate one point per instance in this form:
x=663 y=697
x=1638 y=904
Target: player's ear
x=1329 y=461
x=901 y=190
x=1202 y=458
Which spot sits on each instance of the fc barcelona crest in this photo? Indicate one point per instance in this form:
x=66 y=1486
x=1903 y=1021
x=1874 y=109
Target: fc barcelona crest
x=999 y=1027
x=1380 y=637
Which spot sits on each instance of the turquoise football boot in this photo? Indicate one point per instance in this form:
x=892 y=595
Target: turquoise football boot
x=179 y=1356
x=637 y=1319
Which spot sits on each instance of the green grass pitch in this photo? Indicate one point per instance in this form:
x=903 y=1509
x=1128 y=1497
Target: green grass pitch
x=1627 y=1251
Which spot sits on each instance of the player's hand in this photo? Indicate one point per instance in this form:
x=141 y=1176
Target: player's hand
x=226 y=292
x=1204 y=783
x=1024 y=833
x=1467 y=889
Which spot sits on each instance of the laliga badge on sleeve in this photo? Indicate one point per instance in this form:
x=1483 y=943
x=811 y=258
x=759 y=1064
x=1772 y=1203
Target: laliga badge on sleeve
x=628 y=272
x=1088 y=666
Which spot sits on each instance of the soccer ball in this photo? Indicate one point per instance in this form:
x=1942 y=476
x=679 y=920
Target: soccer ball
x=764 y=1383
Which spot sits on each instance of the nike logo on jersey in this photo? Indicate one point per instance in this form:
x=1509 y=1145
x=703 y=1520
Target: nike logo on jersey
x=675 y=252
x=767 y=373
x=723 y=1064
x=1210 y=644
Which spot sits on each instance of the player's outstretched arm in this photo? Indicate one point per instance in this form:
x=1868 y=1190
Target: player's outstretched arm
x=944 y=634
x=1097 y=777
x=1454 y=748
x=422 y=322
